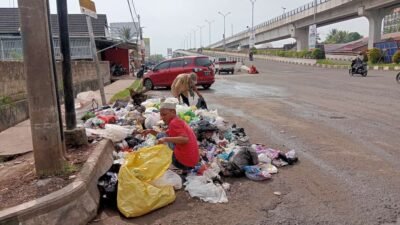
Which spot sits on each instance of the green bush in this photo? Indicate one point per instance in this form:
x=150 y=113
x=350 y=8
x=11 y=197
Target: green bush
x=302 y=54
x=318 y=54
x=308 y=54
x=396 y=57
x=365 y=56
x=374 y=55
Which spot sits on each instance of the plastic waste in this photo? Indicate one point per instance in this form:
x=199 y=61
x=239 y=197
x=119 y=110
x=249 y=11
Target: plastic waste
x=116 y=133
x=150 y=102
x=169 y=178
x=136 y=195
x=221 y=124
x=291 y=154
x=271 y=169
x=86 y=98
x=263 y=158
x=256 y=174
x=108 y=185
x=108 y=118
x=201 y=103
x=151 y=120
x=205 y=189
x=182 y=109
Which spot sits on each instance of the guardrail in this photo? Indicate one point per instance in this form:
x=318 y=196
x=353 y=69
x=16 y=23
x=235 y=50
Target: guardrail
x=278 y=18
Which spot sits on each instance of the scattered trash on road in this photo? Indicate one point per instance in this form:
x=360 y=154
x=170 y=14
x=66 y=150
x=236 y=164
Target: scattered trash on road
x=145 y=181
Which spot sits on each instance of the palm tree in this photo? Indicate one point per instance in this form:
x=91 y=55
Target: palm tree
x=126 y=34
x=336 y=36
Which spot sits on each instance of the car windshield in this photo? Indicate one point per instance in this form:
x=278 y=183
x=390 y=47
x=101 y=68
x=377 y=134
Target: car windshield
x=203 y=62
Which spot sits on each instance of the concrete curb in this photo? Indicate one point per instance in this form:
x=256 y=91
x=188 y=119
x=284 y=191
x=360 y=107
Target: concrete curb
x=75 y=204
x=295 y=61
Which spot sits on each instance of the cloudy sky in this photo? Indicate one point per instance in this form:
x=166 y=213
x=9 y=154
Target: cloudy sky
x=168 y=22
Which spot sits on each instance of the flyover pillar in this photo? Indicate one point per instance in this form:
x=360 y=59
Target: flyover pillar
x=375 y=18
x=301 y=36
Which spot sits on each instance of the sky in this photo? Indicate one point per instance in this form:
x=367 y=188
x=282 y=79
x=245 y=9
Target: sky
x=168 y=22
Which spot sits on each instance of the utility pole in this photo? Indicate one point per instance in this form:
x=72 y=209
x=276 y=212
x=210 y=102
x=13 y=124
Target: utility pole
x=224 y=36
x=232 y=28
x=141 y=39
x=69 y=101
x=201 y=35
x=209 y=30
x=190 y=40
x=47 y=136
x=252 y=39
x=194 y=36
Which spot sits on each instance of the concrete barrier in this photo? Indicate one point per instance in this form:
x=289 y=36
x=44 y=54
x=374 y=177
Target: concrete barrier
x=13 y=113
x=75 y=204
x=13 y=86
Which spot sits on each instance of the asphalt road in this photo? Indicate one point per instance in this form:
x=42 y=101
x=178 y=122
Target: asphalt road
x=345 y=130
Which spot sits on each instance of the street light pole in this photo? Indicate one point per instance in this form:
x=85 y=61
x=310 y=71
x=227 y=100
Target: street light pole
x=252 y=24
x=69 y=102
x=224 y=15
x=209 y=30
x=190 y=40
x=201 y=35
x=194 y=38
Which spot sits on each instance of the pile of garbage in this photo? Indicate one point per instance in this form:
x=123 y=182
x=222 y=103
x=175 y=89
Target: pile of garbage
x=142 y=167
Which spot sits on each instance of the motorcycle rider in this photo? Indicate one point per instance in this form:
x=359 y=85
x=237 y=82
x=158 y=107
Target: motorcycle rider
x=358 y=61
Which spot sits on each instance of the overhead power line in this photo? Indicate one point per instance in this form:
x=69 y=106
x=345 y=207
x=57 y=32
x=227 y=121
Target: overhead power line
x=133 y=19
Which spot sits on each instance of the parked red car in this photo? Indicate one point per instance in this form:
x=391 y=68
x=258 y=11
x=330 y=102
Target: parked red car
x=164 y=74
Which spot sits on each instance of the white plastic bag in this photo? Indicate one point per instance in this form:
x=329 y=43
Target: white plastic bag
x=264 y=158
x=205 y=189
x=182 y=109
x=85 y=98
x=150 y=102
x=169 y=178
x=116 y=133
x=151 y=120
x=221 y=124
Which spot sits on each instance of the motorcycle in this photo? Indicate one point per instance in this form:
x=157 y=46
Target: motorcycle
x=398 y=78
x=358 y=67
x=117 y=70
x=142 y=71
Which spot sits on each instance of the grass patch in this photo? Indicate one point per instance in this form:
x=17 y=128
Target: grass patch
x=5 y=100
x=124 y=95
x=333 y=62
x=341 y=63
x=391 y=65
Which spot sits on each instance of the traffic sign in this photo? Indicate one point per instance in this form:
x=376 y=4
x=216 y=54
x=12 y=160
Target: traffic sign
x=88 y=8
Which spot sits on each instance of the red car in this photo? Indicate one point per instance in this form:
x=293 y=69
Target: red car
x=164 y=74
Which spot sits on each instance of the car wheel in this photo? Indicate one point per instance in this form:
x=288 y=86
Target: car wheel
x=206 y=86
x=148 y=84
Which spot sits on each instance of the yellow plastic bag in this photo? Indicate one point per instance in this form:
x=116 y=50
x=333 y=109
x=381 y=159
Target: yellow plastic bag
x=136 y=196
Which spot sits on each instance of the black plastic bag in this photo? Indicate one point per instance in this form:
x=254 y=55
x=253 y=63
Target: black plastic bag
x=108 y=187
x=201 y=103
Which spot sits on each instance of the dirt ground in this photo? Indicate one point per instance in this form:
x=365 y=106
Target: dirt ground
x=345 y=130
x=19 y=183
